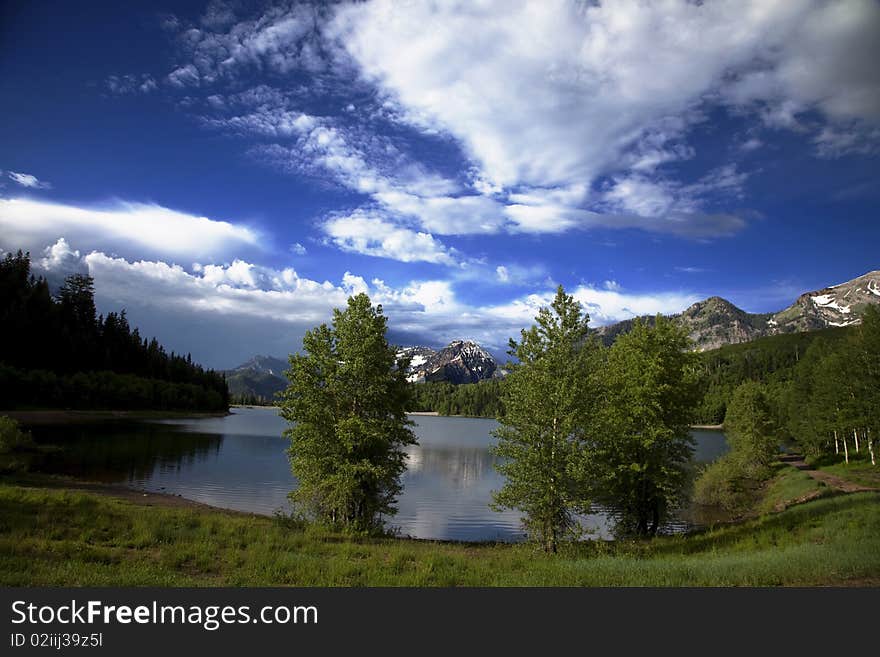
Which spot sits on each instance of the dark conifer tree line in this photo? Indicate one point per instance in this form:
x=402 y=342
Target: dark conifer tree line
x=55 y=351
x=481 y=399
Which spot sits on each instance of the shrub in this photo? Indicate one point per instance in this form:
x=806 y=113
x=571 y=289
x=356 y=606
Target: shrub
x=12 y=438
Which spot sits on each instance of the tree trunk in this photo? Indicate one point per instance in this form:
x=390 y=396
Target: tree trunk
x=845 y=450
x=870 y=445
x=856 y=439
x=655 y=520
x=836 y=445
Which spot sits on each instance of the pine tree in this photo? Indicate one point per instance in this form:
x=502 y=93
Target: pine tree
x=346 y=402
x=546 y=399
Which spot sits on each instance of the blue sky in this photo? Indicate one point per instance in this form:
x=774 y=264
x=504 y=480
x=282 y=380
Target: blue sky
x=230 y=172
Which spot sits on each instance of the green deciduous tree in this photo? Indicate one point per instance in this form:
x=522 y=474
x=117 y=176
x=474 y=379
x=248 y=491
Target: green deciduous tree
x=749 y=426
x=346 y=402
x=734 y=480
x=642 y=450
x=546 y=400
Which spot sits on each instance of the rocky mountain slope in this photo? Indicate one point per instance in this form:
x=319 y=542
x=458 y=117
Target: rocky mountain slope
x=716 y=322
x=461 y=361
x=261 y=377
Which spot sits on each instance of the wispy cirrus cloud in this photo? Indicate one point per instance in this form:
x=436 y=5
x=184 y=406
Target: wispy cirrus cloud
x=123 y=227
x=573 y=117
x=27 y=180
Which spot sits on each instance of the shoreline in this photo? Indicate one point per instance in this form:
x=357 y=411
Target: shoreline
x=69 y=416
x=140 y=496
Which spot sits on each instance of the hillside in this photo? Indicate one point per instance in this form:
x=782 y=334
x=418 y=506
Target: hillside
x=716 y=322
x=258 y=379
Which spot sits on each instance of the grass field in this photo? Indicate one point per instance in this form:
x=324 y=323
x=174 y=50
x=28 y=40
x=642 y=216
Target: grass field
x=787 y=487
x=53 y=537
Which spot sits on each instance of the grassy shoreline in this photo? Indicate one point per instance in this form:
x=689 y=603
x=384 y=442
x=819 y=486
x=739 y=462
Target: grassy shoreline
x=55 y=533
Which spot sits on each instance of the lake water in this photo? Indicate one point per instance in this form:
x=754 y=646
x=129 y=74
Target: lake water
x=239 y=462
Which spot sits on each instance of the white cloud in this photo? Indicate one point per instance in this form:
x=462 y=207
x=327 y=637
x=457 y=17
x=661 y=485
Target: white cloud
x=281 y=39
x=58 y=255
x=184 y=76
x=502 y=273
x=28 y=180
x=298 y=249
x=369 y=234
x=129 y=84
x=254 y=308
x=821 y=58
x=546 y=100
x=121 y=227
x=606 y=306
x=683 y=210
x=447 y=215
x=554 y=93
x=835 y=141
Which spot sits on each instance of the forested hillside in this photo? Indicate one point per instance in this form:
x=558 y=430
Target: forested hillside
x=55 y=352
x=475 y=399
x=771 y=360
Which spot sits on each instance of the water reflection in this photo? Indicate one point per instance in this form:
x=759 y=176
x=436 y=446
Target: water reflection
x=239 y=462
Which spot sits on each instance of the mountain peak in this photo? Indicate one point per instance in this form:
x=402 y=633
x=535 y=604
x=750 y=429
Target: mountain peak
x=461 y=361
x=716 y=321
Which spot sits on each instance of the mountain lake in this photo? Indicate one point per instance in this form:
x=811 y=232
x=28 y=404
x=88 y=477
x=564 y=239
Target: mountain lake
x=239 y=461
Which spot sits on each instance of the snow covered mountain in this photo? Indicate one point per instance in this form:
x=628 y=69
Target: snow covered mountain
x=838 y=305
x=462 y=361
x=716 y=322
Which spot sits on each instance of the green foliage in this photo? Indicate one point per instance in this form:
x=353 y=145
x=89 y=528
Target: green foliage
x=642 y=448
x=835 y=391
x=49 y=347
x=347 y=403
x=750 y=428
x=12 y=438
x=103 y=390
x=734 y=481
x=547 y=396
x=482 y=399
x=771 y=360
x=51 y=537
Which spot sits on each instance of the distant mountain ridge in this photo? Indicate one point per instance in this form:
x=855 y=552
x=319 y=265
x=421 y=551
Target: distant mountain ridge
x=715 y=322
x=260 y=377
x=711 y=323
x=461 y=361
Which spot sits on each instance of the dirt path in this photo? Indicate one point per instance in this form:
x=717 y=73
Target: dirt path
x=830 y=480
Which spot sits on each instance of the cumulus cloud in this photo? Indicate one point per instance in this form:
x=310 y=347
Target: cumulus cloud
x=243 y=308
x=184 y=76
x=368 y=234
x=281 y=39
x=122 y=227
